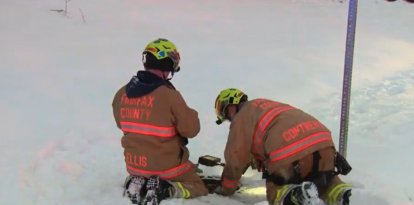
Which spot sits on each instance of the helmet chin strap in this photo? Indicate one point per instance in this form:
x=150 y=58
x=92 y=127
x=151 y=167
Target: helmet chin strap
x=239 y=106
x=167 y=77
x=172 y=75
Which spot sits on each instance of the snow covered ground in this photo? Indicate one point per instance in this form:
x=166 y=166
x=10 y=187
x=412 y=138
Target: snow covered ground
x=59 y=73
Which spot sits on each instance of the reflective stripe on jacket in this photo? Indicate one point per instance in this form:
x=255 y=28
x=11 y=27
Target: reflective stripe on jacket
x=147 y=129
x=164 y=174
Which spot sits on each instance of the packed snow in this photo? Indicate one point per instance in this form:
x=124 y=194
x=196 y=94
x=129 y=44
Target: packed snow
x=61 y=65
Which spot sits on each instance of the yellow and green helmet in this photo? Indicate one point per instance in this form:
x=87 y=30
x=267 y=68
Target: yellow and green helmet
x=229 y=96
x=161 y=54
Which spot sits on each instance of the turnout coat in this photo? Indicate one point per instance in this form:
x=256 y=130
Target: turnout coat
x=275 y=134
x=156 y=123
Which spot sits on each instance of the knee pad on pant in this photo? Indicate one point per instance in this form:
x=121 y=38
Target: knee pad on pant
x=179 y=191
x=282 y=193
x=339 y=194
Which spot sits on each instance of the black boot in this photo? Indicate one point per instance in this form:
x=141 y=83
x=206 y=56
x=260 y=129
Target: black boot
x=157 y=190
x=305 y=193
x=345 y=197
x=135 y=188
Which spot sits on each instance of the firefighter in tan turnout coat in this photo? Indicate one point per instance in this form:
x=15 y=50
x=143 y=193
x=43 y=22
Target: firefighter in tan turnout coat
x=293 y=149
x=156 y=124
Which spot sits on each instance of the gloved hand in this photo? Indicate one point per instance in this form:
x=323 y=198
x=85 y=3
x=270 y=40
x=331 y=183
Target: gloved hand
x=258 y=164
x=219 y=190
x=223 y=191
x=184 y=141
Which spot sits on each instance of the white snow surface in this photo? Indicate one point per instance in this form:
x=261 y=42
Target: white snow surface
x=60 y=72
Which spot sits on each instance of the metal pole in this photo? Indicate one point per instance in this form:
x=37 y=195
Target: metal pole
x=346 y=87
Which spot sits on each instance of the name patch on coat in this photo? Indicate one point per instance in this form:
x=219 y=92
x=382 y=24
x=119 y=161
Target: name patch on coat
x=135 y=160
x=301 y=128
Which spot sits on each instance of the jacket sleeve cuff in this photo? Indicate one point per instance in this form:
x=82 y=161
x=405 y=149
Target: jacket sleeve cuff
x=230 y=184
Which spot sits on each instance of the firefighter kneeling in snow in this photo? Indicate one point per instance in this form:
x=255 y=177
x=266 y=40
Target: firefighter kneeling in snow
x=156 y=123
x=293 y=149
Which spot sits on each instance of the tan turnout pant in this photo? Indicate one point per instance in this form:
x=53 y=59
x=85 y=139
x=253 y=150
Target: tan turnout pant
x=192 y=182
x=326 y=163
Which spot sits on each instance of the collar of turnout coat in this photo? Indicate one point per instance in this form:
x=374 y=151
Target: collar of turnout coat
x=143 y=83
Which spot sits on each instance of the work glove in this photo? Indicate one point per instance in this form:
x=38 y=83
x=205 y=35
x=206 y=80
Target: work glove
x=224 y=191
x=184 y=141
x=257 y=164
